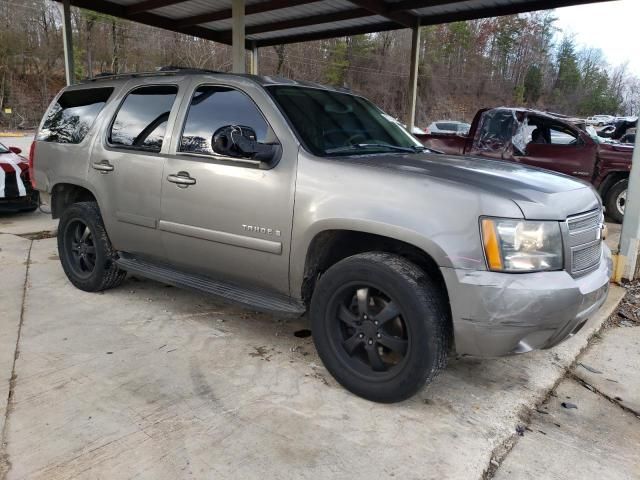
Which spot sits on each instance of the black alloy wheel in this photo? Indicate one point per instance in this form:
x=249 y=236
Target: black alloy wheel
x=369 y=330
x=81 y=248
x=381 y=325
x=85 y=251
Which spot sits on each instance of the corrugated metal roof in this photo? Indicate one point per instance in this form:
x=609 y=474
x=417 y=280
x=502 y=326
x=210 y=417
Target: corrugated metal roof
x=373 y=20
x=270 y=22
x=290 y=13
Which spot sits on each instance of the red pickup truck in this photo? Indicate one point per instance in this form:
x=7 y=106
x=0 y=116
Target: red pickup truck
x=547 y=141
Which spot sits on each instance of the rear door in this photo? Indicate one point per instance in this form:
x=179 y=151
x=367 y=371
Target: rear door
x=127 y=164
x=224 y=216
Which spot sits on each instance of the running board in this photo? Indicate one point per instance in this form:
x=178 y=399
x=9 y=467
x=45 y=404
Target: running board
x=257 y=299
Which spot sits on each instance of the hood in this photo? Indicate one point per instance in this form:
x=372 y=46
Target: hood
x=10 y=157
x=540 y=194
x=12 y=167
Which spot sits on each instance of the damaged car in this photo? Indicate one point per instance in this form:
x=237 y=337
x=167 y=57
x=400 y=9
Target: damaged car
x=547 y=141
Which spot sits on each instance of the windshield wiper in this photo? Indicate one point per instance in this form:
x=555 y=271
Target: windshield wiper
x=385 y=145
x=355 y=146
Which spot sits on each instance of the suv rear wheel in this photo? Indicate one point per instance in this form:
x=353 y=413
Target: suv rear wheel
x=380 y=326
x=85 y=251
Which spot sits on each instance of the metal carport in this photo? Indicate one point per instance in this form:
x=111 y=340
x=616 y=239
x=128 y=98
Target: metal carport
x=251 y=24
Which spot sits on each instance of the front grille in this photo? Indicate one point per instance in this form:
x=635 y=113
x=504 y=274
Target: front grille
x=586 y=257
x=584 y=222
x=584 y=242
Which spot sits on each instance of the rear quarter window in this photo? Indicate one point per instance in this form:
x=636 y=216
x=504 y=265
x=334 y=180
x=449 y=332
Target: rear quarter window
x=71 y=117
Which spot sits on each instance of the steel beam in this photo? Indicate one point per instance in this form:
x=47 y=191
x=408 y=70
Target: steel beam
x=254 y=59
x=380 y=7
x=238 y=51
x=67 y=39
x=117 y=10
x=626 y=261
x=413 y=78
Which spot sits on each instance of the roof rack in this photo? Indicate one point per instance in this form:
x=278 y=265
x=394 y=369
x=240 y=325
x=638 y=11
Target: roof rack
x=166 y=70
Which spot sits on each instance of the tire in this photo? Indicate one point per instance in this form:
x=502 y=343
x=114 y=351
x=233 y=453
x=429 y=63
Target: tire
x=615 y=200
x=86 y=254
x=412 y=345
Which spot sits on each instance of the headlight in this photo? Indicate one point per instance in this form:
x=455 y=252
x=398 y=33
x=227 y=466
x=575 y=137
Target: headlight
x=521 y=246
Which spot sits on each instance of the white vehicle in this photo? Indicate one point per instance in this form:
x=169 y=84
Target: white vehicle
x=600 y=120
x=448 y=127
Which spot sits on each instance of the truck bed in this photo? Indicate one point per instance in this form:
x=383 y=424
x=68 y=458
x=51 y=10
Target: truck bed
x=451 y=144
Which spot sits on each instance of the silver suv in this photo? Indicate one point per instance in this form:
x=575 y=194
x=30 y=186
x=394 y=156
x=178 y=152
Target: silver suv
x=291 y=197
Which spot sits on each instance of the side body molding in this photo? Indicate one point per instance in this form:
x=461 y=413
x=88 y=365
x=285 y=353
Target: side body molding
x=222 y=237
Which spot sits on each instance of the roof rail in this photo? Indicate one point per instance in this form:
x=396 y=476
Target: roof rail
x=167 y=70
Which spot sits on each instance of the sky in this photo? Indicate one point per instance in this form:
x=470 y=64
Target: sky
x=610 y=26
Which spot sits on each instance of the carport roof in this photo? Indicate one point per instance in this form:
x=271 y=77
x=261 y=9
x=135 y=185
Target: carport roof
x=273 y=22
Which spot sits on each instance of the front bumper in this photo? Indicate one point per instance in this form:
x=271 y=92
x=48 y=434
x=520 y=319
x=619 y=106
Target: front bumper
x=497 y=314
x=19 y=204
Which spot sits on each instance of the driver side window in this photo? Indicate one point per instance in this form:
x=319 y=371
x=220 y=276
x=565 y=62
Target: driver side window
x=213 y=108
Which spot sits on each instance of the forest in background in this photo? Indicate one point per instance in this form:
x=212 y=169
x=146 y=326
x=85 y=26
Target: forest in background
x=520 y=60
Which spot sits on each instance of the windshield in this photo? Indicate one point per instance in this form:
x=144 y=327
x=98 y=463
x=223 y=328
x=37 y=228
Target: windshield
x=333 y=123
x=3 y=149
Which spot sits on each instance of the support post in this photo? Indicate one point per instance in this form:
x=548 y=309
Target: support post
x=630 y=238
x=67 y=38
x=413 y=77
x=254 y=59
x=238 y=37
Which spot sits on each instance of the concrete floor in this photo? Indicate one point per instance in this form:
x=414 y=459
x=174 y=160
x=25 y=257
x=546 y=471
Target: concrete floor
x=147 y=381
x=600 y=437
x=25 y=223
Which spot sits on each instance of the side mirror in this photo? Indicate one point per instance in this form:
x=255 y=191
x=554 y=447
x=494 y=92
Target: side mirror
x=241 y=141
x=16 y=150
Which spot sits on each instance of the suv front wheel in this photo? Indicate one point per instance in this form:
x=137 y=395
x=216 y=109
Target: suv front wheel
x=380 y=326
x=86 y=254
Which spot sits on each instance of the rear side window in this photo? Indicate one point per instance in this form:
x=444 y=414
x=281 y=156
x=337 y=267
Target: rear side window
x=141 y=121
x=214 y=107
x=71 y=117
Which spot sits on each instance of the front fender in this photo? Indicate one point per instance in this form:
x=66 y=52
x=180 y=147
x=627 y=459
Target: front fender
x=434 y=215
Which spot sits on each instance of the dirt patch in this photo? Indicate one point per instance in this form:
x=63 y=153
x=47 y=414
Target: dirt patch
x=628 y=313
x=262 y=352
x=4 y=465
x=38 y=235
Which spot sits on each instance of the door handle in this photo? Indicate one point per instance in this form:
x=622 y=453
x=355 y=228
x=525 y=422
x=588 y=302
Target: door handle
x=182 y=179
x=103 y=167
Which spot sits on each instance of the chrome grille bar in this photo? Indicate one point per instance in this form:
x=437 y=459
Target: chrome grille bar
x=584 y=242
